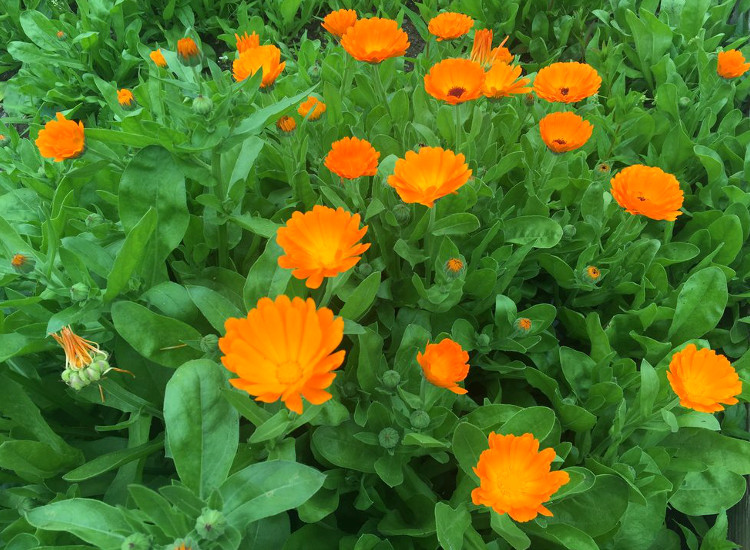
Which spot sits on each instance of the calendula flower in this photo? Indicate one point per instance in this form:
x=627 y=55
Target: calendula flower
x=61 y=139
x=603 y=167
x=312 y=108
x=524 y=324
x=454 y=266
x=564 y=131
x=284 y=350
x=426 y=176
x=321 y=243
x=648 y=191
x=567 y=82
x=503 y=80
x=374 y=40
x=351 y=158
x=482 y=52
x=60 y=34
x=18 y=260
x=247 y=42
x=731 y=64
x=286 y=124
x=187 y=50
x=339 y=21
x=703 y=379
x=455 y=80
x=593 y=273
x=445 y=365
x=79 y=352
x=250 y=61
x=158 y=58
x=515 y=477
x=449 y=25
x=125 y=98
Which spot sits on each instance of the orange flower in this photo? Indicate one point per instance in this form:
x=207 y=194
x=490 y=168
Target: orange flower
x=187 y=49
x=449 y=25
x=565 y=131
x=18 y=260
x=524 y=324
x=286 y=124
x=455 y=80
x=61 y=139
x=454 y=265
x=158 y=58
x=284 y=350
x=266 y=58
x=502 y=80
x=445 y=365
x=703 y=379
x=352 y=158
x=593 y=272
x=731 y=64
x=648 y=191
x=79 y=352
x=374 y=40
x=338 y=22
x=125 y=97
x=426 y=176
x=515 y=477
x=60 y=34
x=321 y=243
x=311 y=105
x=482 y=52
x=567 y=82
x=247 y=42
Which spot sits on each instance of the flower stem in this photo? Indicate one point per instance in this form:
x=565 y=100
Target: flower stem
x=428 y=246
x=458 y=127
x=379 y=84
x=221 y=196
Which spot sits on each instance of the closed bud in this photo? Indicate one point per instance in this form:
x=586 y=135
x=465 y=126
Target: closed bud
x=363 y=269
x=592 y=274
x=350 y=389
x=211 y=524
x=94 y=219
x=569 y=231
x=685 y=102
x=529 y=99
x=136 y=541
x=391 y=379
x=4 y=140
x=388 y=438
x=402 y=213
x=419 y=419
x=90 y=375
x=100 y=365
x=314 y=71
x=454 y=267
x=209 y=343
x=202 y=105
x=483 y=340
x=79 y=292
x=76 y=382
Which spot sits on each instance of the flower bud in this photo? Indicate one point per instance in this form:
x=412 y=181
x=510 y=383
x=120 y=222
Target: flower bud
x=523 y=324
x=402 y=213
x=350 y=389
x=363 y=269
x=136 y=541
x=76 y=382
x=454 y=268
x=388 y=438
x=21 y=263
x=209 y=343
x=90 y=375
x=391 y=379
x=100 y=365
x=211 y=524
x=94 y=219
x=592 y=274
x=569 y=231
x=202 y=105
x=483 y=340
x=79 y=292
x=529 y=99
x=314 y=71
x=419 y=419
x=684 y=102
x=4 y=140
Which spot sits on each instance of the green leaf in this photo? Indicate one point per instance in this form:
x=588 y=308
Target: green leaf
x=40 y=29
x=456 y=224
x=542 y=232
x=708 y=492
x=214 y=306
x=700 y=305
x=202 y=427
x=537 y=421
x=362 y=298
x=716 y=451
x=159 y=510
x=504 y=526
x=130 y=255
x=649 y=388
x=451 y=525
x=97 y=523
x=106 y=462
x=468 y=443
x=578 y=369
x=266 y=278
x=608 y=496
x=338 y=446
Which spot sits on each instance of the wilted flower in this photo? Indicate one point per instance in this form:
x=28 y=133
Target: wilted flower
x=286 y=124
x=426 y=176
x=564 y=131
x=450 y=25
x=339 y=21
x=703 y=379
x=250 y=61
x=731 y=64
x=504 y=80
x=79 y=352
x=284 y=350
x=247 y=42
x=61 y=139
x=567 y=82
x=351 y=158
x=648 y=191
x=125 y=98
x=445 y=365
x=515 y=477
x=313 y=106
x=158 y=58
x=455 y=80
x=187 y=51
x=374 y=40
x=482 y=52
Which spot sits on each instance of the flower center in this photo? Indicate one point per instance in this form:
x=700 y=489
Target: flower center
x=564 y=91
x=456 y=91
x=288 y=372
x=559 y=141
x=641 y=198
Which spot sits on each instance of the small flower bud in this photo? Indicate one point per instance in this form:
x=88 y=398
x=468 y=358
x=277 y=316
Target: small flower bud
x=4 y=140
x=136 y=541
x=314 y=71
x=523 y=324
x=202 y=105
x=209 y=343
x=211 y=524
x=61 y=35
x=350 y=389
x=402 y=213
x=363 y=269
x=94 y=219
x=569 y=231
x=388 y=438
x=592 y=274
x=391 y=379
x=684 y=102
x=483 y=340
x=454 y=268
x=79 y=292
x=286 y=124
x=90 y=375
x=100 y=365
x=419 y=419
x=529 y=99
x=21 y=263
x=76 y=381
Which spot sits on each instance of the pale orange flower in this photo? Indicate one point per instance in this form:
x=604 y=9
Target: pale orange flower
x=18 y=260
x=247 y=42
x=187 y=50
x=567 y=82
x=284 y=350
x=79 y=352
x=703 y=379
x=338 y=22
x=286 y=124
x=515 y=477
x=482 y=52
x=455 y=80
x=648 y=191
x=426 y=176
x=313 y=106
x=61 y=139
x=731 y=64
x=125 y=97
x=60 y=34
x=564 y=131
x=445 y=365
x=503 y=80
x=374 y=40
x=449 y=25
x=524 y=324
x=351 y=158
x=321 y=243
x=158 y=58
x=250 y=61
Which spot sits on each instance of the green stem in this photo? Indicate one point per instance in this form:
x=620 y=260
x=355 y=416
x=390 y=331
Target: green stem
x=428 y=246
x=221 y=195
x=458 y=127
x=379 y=84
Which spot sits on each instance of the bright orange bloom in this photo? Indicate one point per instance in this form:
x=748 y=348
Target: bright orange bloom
x=311 y=105
x=338 y=22
x=125 y=97
x=247 y=42
x=515 y=477
x=284 y=350
x=703 y=379
x=503 y=80
x=61 y=139
x=250 y=61
x=593 y=272
x=564 y=131
x=445 y=365
x=374 y=40
x=482 y=52
x=449 y=25
x=648 y=191
x=454 y=265
x=286 y=124
x=79 y=352
x=524 y=323
x=426 y=176
x=321 y=243
x=567 y=82
x=18 y=260
x=60 y=34
x=455 y=80
x=351 y=158
x=731 y=64
x=158 y=58
x=187 y=49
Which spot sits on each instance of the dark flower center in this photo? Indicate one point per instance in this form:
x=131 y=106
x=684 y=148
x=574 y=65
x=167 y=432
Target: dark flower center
x=641 y=198
x=559 y=141
x=457 y=91
x=564 y=91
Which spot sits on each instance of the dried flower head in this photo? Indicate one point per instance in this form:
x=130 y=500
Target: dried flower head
x=188 y=51
x=648 y=191
x=61 y=139
x=284 y=350
x=351 y=158
x=286 y=124
x=564 y=131
x=426 y=176
x=603 y=167
x=158 y=58
x=266 y=58
x=79 y=352
x=125 y=98
x=731 y=64
x=455 y=80
x=703 y=379
x=246 y=42
x=567 y=82
x=339 y=21
x=449 y=25
x=312 y=108
x=321 y=243
x=504 y=80
x=374 y=40
x=515 y=477
x=445 y=365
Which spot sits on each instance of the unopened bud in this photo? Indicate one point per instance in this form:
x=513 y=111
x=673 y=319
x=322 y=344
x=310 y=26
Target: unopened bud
x=350 y=389
x=402 y=213
x=391 y=379
x=94 y=219
x=483 y=340
x=202 y=105
x=79 y=292
x=136 y=541
x=211 y=524
x=569 y=231
x=454 y=267
x=314 y=71
x=529 y=99
x=419 y=419
x=209 y=343
x=363 y=269
x=592 y=274
x=388 y=438
x=76 y=382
